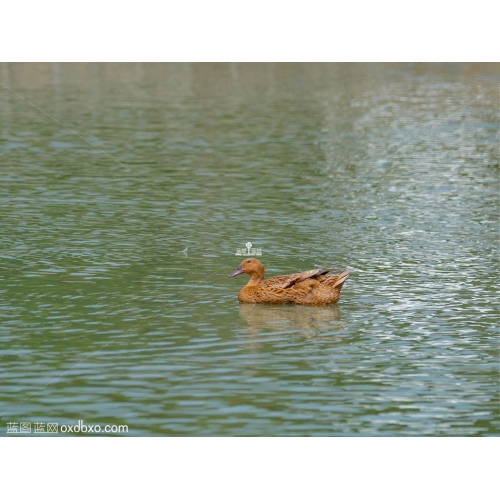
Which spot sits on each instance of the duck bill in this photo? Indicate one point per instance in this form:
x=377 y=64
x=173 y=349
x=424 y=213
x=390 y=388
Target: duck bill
x=236 y=273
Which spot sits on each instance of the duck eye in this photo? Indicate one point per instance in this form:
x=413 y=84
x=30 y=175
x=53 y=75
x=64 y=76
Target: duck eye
x=248 y=262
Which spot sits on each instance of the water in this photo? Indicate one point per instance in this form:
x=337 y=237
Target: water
x=391 y=170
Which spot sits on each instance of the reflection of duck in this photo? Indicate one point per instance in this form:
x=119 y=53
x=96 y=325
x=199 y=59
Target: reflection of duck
x=312 y=288
x=291 y=317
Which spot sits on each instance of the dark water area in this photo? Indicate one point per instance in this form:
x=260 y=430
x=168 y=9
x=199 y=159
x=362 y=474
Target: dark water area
x=109 y=171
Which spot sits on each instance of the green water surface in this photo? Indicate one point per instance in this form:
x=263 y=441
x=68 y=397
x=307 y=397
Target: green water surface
x=109 y=171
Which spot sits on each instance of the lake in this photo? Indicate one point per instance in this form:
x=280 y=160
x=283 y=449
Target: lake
x=108 y=172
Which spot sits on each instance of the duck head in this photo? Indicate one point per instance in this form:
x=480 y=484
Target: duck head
x=253 y=267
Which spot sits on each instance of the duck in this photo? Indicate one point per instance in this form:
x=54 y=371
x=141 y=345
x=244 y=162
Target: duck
x=313 y=288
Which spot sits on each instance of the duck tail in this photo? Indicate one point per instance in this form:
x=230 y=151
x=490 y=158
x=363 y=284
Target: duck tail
x=340 y=278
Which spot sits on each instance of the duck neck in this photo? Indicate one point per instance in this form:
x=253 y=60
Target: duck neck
x=255 y=279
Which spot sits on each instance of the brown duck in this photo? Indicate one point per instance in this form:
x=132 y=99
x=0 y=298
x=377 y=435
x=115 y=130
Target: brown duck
x=312 y=288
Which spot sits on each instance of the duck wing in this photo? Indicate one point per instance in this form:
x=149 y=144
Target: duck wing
x=289 y=280
x=333 y=280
